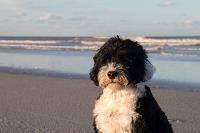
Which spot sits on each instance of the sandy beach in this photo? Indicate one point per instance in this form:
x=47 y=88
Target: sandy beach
x=41 y=104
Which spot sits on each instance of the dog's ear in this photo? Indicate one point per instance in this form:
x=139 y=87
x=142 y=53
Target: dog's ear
x=141 y=69
x=93 y=77
x=94 y=71
x=149 y=70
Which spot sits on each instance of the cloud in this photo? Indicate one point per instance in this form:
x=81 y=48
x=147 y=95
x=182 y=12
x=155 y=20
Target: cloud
x=187 y=22
x=190 y=22
x=11 y=4
x=23 y=14
x=76 y=19
x=167 y=3
x=80 y=18
x=47 y=17
x=8 y=2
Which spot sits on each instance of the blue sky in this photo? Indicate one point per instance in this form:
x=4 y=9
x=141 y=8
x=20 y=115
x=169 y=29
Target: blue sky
x=99 y=17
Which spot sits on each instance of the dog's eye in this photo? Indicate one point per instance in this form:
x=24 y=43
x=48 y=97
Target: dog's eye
x=103 y=67
x=127 y=67
x=122 y=68
x=116 y=65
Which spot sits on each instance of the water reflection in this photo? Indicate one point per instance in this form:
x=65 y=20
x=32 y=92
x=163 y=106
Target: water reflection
x=169 y=67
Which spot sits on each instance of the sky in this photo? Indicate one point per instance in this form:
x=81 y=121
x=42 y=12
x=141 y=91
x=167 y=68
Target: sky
x=99 y=17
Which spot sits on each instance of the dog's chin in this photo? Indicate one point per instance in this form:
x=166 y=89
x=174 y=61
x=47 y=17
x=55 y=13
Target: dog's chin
x=114 y=86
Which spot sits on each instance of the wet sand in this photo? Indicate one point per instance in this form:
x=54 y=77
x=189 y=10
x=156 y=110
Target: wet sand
x=41 y=104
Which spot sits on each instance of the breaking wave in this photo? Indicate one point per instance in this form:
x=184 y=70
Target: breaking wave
x=163 y=45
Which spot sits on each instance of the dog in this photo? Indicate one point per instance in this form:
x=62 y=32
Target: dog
x=125 y=105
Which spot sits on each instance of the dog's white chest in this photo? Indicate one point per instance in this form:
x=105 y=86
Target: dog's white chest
x=114 y=112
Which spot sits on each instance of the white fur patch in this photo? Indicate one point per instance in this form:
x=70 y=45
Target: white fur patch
x=115 y=111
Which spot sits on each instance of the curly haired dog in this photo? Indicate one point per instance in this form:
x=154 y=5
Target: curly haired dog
x=125 y=105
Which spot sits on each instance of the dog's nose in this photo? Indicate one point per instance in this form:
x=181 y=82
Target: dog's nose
x=112 y=74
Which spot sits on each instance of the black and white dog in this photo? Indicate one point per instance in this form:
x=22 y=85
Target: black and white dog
x=126 y=105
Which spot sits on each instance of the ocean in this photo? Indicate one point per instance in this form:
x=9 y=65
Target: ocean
x=177 y=59
x=163 y=45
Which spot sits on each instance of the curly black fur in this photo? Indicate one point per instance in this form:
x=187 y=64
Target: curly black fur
x=152 y=119
x=125 y=52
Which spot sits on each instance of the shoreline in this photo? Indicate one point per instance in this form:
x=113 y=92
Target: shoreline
x=72 y=64
x=50 y=104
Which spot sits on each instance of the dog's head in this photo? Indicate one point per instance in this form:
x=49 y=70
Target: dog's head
x=120 y=62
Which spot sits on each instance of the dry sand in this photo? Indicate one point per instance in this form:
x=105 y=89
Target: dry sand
x=48 y=104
